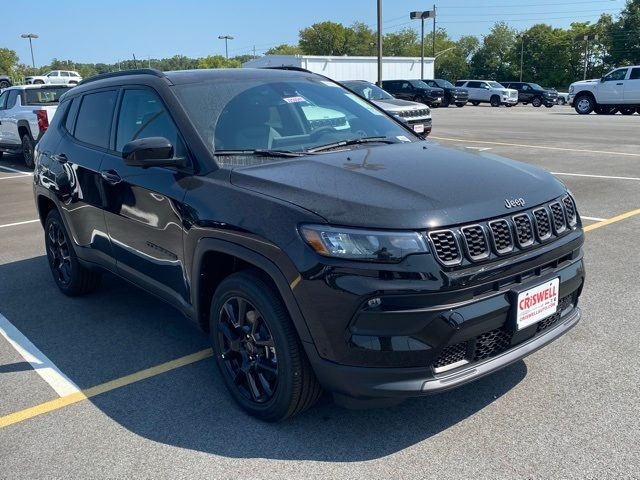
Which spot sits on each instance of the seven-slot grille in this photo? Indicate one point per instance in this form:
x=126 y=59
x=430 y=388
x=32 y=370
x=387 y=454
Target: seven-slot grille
x=414 y=113
x=475 y=241
x=504 y=235
x=446 y=246
x=524 y=230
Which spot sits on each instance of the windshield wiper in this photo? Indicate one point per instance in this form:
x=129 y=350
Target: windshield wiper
x=345 y=143
x=260 y=152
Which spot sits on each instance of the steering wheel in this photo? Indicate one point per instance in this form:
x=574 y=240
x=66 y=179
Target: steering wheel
x=317 y=134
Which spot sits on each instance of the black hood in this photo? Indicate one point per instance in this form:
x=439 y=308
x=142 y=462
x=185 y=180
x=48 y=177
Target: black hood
x=410 y=185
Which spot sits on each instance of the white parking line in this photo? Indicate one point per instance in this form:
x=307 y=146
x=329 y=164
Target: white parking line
x=595 y=219
x=608 y=177
x=38 y=360
x=19 y=223
x=9 y=169
x=17 y=176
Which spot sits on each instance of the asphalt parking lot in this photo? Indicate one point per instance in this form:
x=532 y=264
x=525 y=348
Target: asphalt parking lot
x=130 y=390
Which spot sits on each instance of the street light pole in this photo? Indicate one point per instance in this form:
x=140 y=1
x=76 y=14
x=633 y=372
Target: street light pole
x=433 y=48
x=226 y=39
x=379 y=39
x=422 y=16
x=30 y=36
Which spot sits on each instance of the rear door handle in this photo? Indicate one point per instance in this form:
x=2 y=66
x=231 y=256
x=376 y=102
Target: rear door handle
x=61 y=157
x=111 y=176
x=620 y=83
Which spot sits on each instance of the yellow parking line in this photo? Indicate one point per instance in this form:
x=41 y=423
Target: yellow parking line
x=543 y=147
x=61 y=402
x=102 y=388
x=611 y=220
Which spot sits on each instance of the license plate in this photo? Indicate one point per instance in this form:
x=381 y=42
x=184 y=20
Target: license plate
x=537 y=303
x=418 y=128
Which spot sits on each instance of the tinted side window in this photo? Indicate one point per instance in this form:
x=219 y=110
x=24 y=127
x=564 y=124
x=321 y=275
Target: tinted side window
x=619 y=74
x=635 y=74
x=143 y=115
x=13 y=96
x=94 y=118
x=459 y=83
x=473 y=85
x=3 y=100
x=71 y=115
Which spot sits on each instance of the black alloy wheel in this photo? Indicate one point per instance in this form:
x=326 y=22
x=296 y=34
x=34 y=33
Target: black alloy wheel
x=495 y=101
x=59 y=253
x=247 y=350
x=536 y=102
x=257 y=348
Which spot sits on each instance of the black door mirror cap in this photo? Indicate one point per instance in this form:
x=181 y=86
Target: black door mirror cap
x=149 y=152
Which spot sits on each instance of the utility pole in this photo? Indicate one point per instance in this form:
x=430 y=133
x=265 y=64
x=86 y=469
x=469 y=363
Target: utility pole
x=30 y=36
x=254 y=51
x=433 y=49
x=135 y=62
x=226 y=39
x=521 y=53
x=379 y=43
x=587 y=39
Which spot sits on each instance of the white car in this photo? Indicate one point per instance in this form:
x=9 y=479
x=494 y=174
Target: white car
x=25 y=113
x=489 y=91
x=618 y=90
x=61 y=77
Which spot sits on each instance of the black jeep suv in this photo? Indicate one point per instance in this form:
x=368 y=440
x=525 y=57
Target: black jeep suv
x=452 y=95
x=533 y=93
x=414 y=90
x=351 y=256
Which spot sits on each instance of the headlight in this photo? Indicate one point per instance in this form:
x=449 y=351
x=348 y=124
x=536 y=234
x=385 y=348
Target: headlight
x=571 y=89
x=360 y=244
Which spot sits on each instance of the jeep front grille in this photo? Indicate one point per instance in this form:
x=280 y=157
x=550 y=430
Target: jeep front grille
x=502 y=236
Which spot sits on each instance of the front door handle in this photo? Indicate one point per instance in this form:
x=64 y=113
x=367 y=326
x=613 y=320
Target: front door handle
x=111 y=176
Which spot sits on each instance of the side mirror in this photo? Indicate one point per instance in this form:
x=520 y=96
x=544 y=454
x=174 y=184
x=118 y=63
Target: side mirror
x=602 y=80
x=149 y=152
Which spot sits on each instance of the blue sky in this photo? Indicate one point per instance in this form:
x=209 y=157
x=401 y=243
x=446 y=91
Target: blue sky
x=111 y=30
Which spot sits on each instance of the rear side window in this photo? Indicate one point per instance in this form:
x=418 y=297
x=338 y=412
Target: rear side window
x=43 y=96
x=72 y=114
x=635 y=74
x=3 y=100
x=143 y=115
x=459 y=83
x=94 y=118
x=474 y=85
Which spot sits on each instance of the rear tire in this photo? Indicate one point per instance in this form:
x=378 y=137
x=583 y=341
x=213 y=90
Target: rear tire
x=495 y=101
x=445 y=102
x=536 y=102
x=460 y=105
x=28 y=148
x=257 y=349
x=4 y=84
x=584 y=104
x=71 y=277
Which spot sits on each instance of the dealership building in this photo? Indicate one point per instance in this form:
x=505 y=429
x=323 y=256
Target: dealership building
x=349 y=68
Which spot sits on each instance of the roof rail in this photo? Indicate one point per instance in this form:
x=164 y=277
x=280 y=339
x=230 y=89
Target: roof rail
x=122 y=73
x=289 y=67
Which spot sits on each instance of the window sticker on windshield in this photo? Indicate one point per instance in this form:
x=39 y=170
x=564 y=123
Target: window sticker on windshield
x=362 y=103
x=294 y=99
x=402 y=138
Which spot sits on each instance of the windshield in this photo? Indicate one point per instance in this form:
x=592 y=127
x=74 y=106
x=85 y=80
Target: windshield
x=283 y=114
x=41 y=96
x=535 y=86
x=495 y=85
x=419 y=84
x=444 y=83
x=368 y=91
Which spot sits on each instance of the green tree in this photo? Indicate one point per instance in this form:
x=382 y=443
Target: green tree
x=325 y=38
x=624 y=36
x=403 y=43
x=494 y=59
x=218 y=61
x=361 y=40
x=284 y=49
x=8 y=61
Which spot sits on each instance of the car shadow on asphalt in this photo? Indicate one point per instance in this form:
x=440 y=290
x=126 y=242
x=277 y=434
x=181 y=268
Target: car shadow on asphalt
x=120 y=330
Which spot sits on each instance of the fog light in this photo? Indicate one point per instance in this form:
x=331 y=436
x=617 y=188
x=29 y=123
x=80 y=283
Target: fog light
x=374 y=302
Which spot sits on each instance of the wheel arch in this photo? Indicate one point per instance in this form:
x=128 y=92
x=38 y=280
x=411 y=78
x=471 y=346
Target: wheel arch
x=24 y=127
x=44 y=205
x=228 y=258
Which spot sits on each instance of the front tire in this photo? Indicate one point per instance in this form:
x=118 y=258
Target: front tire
x=28 y=149
x=475 y=103
x=258 y=351
x=71 y=277
x=495 y=101
x=445 y=102
x=584 y=104
x=38 y=82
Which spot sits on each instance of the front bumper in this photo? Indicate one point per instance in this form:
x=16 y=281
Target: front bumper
x=421 y=126
x=510 y=100
x=363 y=382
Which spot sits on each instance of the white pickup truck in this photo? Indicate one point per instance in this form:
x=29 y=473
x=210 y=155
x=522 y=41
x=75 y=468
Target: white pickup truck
x=25 y=113
x=618 y=90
